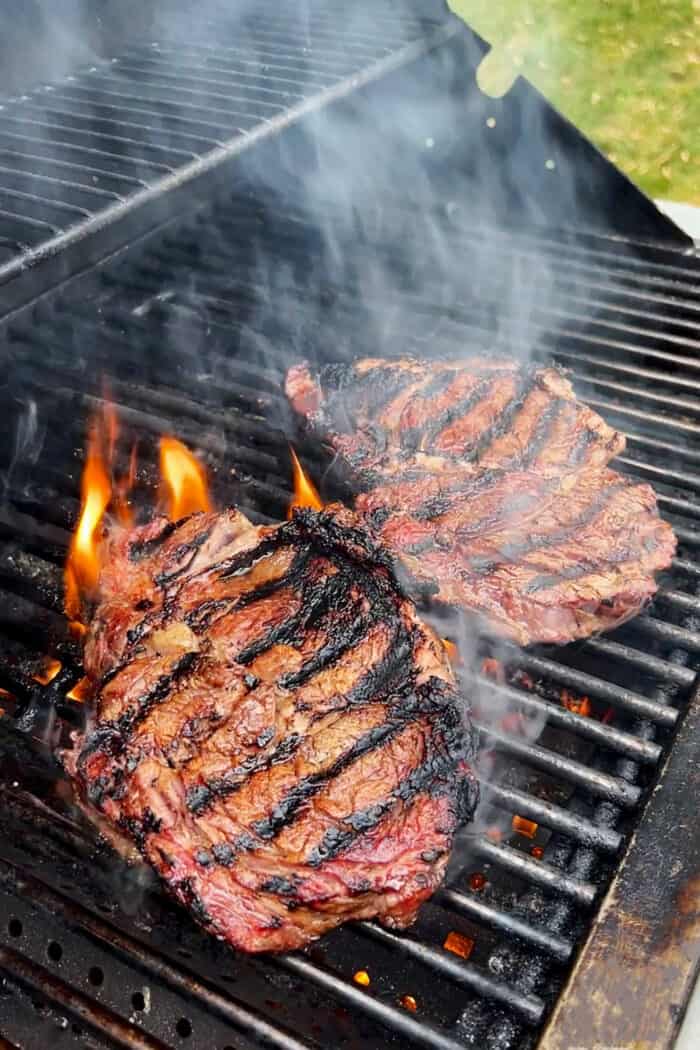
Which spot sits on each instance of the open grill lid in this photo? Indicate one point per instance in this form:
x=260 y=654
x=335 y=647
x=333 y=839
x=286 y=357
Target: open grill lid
x=142 y=112
x=195 y=326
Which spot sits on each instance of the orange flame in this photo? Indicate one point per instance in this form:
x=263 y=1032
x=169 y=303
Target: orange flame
x=123 y=487
x=184 y=480
x=578 y=705
x=305 y=494
x=48 y=671
x=184 y=490
x=452 y=652
x=81 y=690
x=83 y=567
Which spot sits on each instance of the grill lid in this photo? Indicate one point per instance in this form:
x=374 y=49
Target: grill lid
x=163 y=108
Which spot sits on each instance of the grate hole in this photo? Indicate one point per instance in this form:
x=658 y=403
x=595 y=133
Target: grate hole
x=15 y=928
x=138 y=1002
x=95 y=976
x=183 y=1027
x=54 y=951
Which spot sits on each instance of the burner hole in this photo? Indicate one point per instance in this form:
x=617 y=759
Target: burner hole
x=54 y=951
x=95 y=976
x=138 y=1002
x=184 y=1028
x=15 y=928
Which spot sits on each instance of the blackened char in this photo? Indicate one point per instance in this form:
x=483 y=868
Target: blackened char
x=489 y=481
x=274 y=727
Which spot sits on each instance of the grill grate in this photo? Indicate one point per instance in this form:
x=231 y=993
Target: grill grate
x=79 y=154
x=195 y=340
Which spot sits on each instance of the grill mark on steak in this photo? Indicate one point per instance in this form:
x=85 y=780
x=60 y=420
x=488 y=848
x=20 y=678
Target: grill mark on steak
x=511 y=552
x=540 y=435
x=270 y=752
x=288 y=808
x=425 y=436
x=200 y=617
x=426 y=778
x=373 y=686
x=142 y=549
x=105 y=737
x=525 y=384
x=375 y=390
x=203 y=795
x=446 y=737
x=317 y=599
x=426 y=490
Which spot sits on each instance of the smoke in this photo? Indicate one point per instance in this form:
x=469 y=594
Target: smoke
x=29 y=436
x=396 y=219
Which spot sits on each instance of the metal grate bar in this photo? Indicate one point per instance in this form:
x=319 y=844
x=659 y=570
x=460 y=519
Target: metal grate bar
x=155 y=73
x=661 y=669
x=586 y=728
x=72 y=192
x=613 y=789
x=119 y=162
x=165 y=118
x=233 y=73
x=554 y=817
x=529 y=1007
x=422 y=1033
x=78 y=172
x=481 y=911
x=104 y=143
x=189 y=142
x=236 y=120
x=537 y=873
x=150 y=86
x=281 y=58
x=40 y=207
x=586 y=684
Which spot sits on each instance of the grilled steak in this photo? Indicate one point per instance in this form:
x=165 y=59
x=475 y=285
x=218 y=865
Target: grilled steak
x=274 y=726
x=489 y=481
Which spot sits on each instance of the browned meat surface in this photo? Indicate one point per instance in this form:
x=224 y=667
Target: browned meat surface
x=274 y=727
x=490 y=482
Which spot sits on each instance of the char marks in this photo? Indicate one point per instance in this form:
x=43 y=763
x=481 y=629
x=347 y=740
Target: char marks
x=279 y=687
x=495 y=496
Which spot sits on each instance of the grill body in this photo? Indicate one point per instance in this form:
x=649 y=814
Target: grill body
x=193 y=302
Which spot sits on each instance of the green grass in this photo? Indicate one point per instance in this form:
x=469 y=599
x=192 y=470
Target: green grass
x=627 y=72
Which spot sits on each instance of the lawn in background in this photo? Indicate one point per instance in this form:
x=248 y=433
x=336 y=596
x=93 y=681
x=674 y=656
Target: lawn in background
x=626 y=72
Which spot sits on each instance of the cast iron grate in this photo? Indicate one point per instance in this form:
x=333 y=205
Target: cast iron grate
x=194 y=331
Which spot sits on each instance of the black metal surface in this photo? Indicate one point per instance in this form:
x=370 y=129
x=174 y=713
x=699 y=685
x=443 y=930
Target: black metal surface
x=194 y=330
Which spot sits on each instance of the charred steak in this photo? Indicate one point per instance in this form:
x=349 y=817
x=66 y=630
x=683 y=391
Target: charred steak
x=274 y=727
x=489 y=481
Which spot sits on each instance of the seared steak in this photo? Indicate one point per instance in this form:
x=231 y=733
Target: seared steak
x=274 y=726
x=489 y=481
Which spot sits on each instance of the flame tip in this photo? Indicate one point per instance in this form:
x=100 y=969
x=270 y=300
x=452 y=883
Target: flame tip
x=305 y=492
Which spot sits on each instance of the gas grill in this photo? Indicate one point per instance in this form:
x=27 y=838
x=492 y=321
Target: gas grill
x=181 y=219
